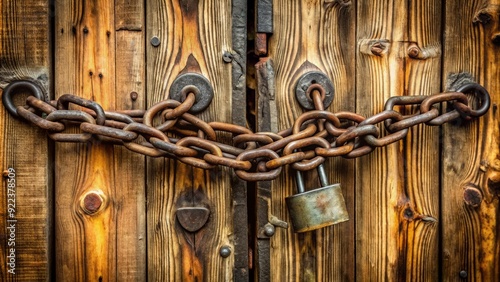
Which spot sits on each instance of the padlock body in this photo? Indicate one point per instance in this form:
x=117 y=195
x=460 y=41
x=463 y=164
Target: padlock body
x=317 y=208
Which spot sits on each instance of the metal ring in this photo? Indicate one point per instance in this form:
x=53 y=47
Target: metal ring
x=9 y=92
x=483 y=96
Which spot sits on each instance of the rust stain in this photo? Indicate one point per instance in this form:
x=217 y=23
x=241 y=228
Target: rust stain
x=323 y=202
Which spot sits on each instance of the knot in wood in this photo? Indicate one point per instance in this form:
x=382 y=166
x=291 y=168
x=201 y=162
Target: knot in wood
x=408 y=213
x=378 y=49
x=413 y=52
x=496 y=39
x=472 y=195
x=483 y=18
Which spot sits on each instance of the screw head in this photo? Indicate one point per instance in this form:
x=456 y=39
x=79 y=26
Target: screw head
x=225 y=251
x=463 y=274
x=155 y=41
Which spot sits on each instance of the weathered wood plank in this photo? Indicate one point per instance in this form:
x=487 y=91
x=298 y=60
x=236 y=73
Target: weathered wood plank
x=84 y=66
x=25 y=54
x=419 y=222
x=193 y=36
x=381 y=33
x=312 y=35
x=470 y=158
x=129 y=167
x=99 y=57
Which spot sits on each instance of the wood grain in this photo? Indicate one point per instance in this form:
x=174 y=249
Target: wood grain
x=312 y=35
x=93 y=46
x=400 y=229
x=24 y=25
x=380 y=194
x=193 y=36
x=419 y=223
x=470 y=157
x=129 y=168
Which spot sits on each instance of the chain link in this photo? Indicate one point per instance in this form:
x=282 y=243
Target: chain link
x=315 y=135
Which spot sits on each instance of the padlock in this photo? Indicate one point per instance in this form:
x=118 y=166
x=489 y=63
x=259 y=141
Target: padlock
x=317 y=208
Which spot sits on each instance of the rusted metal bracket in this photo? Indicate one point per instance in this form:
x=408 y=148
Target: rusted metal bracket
x=192 y=219
x=264 y=16
x=266 y=119
x=240 y=211
x=263 y=25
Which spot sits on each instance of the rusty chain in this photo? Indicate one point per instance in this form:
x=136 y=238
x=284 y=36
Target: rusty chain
x=315 y=135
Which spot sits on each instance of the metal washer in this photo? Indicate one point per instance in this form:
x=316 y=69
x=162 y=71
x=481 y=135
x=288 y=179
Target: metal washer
x=313 y=77
x=206 y=92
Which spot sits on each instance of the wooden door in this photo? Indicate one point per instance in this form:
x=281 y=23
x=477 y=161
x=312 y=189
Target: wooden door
x=422 y=209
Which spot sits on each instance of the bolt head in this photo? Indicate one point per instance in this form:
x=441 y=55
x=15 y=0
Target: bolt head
x=92 y=202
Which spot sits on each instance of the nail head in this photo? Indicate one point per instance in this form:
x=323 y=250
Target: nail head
x=134 y=95
x=269 y=230
x=155 y=41
x=225 y=251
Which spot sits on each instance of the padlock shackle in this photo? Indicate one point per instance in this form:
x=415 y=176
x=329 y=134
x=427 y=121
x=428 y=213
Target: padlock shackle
x=300 y=182
x=323 y=179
